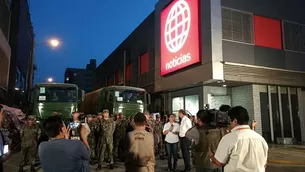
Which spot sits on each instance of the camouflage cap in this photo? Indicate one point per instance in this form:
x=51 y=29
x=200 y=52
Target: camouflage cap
x=105 y=111
x=89 y=116
x=93 y=116
x=157 y=116
x=30 y=117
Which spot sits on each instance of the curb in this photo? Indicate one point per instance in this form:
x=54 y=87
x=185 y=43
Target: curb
x=276 y=161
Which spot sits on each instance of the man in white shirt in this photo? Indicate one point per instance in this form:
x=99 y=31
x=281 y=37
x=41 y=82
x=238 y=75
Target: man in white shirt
x=243 y=149
x=171 y=131
x=185 y=125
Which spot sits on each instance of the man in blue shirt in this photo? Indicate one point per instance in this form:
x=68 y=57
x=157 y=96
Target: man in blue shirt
x=59 y=153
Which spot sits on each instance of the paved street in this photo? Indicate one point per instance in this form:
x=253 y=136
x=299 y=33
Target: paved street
x=283 y=158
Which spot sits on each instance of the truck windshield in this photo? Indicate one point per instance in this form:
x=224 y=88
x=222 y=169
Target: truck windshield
x=57 y=94
x=130 y=96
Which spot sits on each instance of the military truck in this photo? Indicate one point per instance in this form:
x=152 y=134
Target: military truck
x=117 y=99
x=55 y=98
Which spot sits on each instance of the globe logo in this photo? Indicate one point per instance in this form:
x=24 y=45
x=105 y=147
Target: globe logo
x=177 y=26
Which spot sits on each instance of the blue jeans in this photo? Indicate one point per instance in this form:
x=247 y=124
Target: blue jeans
x=171 y=149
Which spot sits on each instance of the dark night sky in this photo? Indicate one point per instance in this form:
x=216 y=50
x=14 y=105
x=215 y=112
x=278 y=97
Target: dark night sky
x=86 y=28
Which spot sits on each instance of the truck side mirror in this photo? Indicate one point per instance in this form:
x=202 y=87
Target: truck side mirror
x=109 y=97
x=148 y=99
x=81 y=95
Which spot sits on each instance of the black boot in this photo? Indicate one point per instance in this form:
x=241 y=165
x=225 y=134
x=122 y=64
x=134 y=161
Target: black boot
x=175 y=167
x=111 y=166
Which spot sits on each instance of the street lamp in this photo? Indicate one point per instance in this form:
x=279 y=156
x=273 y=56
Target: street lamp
x=50 y=79
x=54 y=43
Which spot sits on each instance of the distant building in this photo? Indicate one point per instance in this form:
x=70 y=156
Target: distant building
x=22 y=42
x=5 y=49
x=83 y=78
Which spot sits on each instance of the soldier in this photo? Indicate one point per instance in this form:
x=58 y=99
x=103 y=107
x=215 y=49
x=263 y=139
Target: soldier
x=150 y=125
x=107 y=127
x=150 y=121
x=130 y=125
x=159 y=131
x=29 y=134
x=119 y=135
x=96 y=135
x=91 y=137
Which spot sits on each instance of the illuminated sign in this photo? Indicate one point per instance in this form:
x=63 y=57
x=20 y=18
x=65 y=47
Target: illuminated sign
x=179 y=35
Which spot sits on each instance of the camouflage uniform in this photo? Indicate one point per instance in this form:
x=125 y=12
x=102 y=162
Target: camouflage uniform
x=91 y=138
x=29 y=136
x=119 y=135
x=151 y=122
x=158 y=129
x=107 y=128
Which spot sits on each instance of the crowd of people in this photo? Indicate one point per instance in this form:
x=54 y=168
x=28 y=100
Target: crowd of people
x=95 y=139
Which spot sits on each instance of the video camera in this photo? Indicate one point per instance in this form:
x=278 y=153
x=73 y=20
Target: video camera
x=219 y=118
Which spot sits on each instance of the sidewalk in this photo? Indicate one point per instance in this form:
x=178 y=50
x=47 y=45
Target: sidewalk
x=287 y=154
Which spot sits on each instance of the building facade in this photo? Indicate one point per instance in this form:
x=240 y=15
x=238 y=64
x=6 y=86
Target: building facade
x=22 y=44
x=83 y=78
x=5 y=49
x=218 y=52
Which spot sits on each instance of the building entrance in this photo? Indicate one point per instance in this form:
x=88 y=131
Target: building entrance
x=279 y=113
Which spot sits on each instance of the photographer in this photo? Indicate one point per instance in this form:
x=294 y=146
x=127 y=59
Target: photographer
x=209 y=138
x=60 y=154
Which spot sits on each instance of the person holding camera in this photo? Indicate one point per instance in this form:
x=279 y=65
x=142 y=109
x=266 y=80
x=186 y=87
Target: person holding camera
x=209 y=138
x=171 y=131
x=60 y=153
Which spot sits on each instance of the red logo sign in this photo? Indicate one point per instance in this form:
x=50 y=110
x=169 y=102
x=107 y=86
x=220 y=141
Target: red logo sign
x=179 y=35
